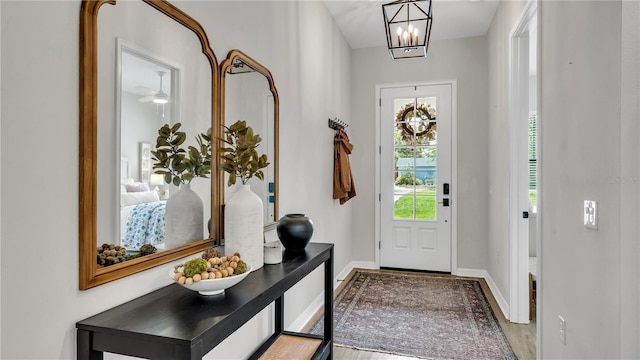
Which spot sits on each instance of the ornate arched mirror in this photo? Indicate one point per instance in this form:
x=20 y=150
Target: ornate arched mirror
x=145 y=67
x=248 y=93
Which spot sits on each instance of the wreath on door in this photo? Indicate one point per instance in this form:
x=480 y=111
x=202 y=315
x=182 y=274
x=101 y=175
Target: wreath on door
x=426 y=129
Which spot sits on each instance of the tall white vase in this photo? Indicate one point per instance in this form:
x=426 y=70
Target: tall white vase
x=183 y=221
x=244 y=226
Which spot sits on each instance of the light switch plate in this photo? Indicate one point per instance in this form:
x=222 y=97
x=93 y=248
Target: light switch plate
x=591 y=214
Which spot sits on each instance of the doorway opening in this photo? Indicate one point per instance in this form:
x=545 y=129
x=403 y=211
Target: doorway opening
x=524 y=127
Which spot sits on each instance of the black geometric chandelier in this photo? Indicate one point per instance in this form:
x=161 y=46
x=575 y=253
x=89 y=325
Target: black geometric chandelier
x=408 y=27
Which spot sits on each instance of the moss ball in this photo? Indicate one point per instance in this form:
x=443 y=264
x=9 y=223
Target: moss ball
x=195 y=266
x=241 y=268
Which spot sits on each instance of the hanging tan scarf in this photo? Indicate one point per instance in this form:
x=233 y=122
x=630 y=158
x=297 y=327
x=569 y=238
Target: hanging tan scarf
x=343 y=185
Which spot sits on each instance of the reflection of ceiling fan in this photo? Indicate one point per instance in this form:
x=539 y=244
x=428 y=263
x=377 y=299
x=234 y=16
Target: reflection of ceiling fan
x=159 y=97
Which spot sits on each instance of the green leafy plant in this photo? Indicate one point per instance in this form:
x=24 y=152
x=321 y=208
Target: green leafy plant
x=408 y=179
x=239 y=156
x=180 y=166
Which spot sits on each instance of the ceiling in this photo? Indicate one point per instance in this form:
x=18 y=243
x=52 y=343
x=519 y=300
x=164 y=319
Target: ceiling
x=140 y=75
x=362 y=24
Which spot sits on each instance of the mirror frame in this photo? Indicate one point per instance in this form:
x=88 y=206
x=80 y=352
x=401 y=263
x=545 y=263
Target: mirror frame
x=233 y=56
x=226 y=64
x=90 y=275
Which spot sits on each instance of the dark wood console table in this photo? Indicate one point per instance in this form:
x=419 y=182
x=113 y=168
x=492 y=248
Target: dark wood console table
x=176 y=323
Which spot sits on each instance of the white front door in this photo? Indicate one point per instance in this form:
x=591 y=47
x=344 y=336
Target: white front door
x=415 y=177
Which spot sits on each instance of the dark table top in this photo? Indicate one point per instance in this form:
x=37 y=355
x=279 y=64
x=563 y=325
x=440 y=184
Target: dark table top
x=174 y=314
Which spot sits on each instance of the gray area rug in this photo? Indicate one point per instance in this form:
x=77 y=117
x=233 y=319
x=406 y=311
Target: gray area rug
x=412 y=314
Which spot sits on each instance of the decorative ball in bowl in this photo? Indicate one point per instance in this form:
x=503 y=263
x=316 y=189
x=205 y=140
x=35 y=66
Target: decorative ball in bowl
x=294 y=231
x=212 y=280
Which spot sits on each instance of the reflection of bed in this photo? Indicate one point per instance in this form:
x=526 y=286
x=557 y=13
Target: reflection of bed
x=141 y=217
x=532 y=285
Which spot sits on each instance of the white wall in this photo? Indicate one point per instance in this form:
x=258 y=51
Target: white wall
x=630 y=190
x=590 y=89
x=310 y=63
x=140 y=123
x=464 y=60
x=0 y=177
x=589 y=151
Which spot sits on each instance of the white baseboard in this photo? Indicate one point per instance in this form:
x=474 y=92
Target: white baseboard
x=306 y=316
x=479 y=273
x=318 y=303
x=350 y=266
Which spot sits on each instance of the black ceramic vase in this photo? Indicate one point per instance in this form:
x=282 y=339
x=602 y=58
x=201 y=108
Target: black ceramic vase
x=294 y=231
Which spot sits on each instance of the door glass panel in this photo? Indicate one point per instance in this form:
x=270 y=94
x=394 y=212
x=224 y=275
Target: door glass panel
x=425 y=162
x=426 y=174
x=404 y=206
x=425 y=206
x=415 y=158
x=404 y=115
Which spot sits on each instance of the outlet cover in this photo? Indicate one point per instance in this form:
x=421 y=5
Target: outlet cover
x=591 y=214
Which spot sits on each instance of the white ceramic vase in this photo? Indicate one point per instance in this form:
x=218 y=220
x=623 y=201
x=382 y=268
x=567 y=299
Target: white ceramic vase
x=183 y=218
x=244 y=226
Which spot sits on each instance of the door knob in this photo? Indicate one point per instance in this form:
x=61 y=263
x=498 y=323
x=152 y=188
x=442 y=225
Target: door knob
x=444 y=202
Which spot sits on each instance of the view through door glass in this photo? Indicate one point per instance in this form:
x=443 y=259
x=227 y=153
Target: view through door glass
x=415 y=158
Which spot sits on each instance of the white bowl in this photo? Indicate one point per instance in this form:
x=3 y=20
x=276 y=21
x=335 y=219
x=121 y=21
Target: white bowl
x=213 y=286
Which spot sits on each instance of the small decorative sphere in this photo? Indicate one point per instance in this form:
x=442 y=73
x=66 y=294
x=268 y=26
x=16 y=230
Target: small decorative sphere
x=294 y=231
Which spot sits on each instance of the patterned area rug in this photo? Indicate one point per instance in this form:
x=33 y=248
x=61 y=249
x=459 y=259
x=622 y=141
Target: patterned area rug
x=411 y=314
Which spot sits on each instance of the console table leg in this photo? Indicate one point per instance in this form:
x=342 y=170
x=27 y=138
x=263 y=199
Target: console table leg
x=83 y=347
x=279 y=314
x=328 y=302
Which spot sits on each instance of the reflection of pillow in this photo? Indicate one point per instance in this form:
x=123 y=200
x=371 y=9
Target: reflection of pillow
x=137 y=187
x=134 y=198
x=123 y=183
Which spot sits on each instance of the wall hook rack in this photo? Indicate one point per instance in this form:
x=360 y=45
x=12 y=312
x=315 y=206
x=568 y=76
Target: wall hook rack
x=337 y=124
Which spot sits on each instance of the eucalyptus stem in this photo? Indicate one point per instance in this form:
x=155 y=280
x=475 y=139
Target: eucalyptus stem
x=180 y=166
x=238 y=153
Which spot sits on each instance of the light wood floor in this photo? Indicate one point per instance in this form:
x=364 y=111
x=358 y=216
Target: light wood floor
x=522 y=338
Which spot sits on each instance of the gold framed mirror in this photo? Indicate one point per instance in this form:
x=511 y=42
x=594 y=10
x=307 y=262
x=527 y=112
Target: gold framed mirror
x=248 y=93
x=163 y=29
